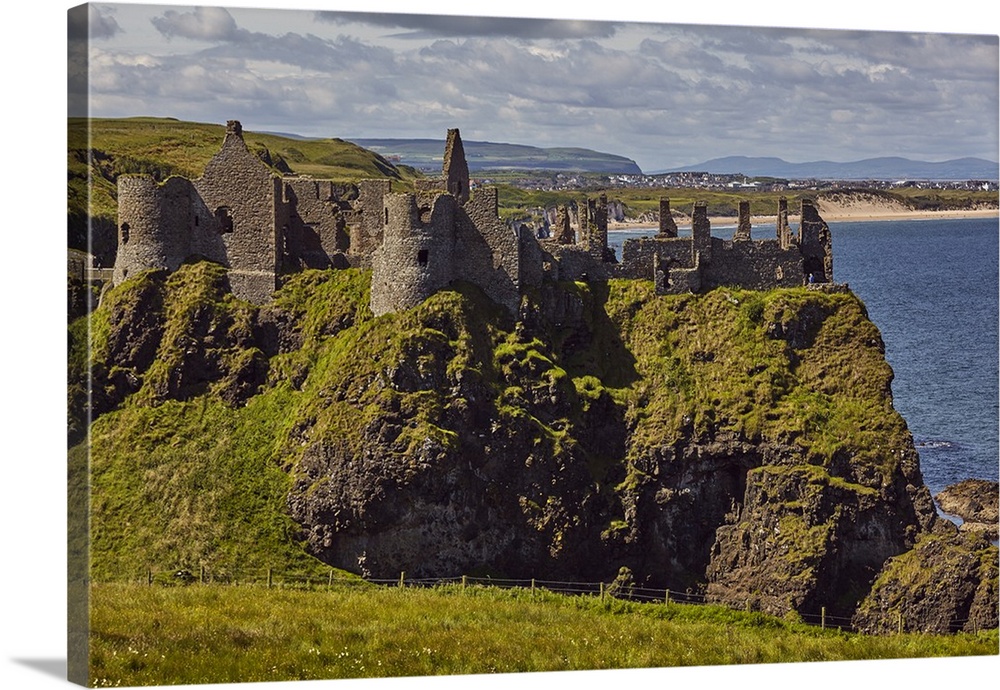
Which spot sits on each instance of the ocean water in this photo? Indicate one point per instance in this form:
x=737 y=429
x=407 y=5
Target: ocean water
x=931 y=287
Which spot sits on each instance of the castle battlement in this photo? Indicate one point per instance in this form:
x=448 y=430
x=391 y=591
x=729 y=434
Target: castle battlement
x=263 y=226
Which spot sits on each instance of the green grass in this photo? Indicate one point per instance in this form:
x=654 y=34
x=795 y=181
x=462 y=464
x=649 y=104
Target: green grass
x=186 y=473
x=143 y=635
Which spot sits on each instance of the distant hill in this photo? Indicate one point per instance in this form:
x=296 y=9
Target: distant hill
x=426 y=154
x=888 y=168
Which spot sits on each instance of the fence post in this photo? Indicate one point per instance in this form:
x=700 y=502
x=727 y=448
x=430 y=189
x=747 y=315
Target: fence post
x=402 y=576
x=666 y=597
x=149 y=576
x=464 y=578
x=602 y=591
x=201 y=575
x=822 y=618
x=532 y=586
x=270 y=578
x=899 y=624
x=329 y=582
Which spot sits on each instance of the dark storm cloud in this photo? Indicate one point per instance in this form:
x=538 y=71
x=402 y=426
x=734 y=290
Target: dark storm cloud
x=91 y=22
x=423 y=26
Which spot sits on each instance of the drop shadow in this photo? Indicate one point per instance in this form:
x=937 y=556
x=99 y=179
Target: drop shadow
x=57 y=668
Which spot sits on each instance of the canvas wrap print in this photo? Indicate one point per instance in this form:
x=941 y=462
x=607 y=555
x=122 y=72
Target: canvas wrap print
x=415 y=345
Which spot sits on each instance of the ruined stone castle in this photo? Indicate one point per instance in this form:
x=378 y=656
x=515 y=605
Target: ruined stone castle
x=264 y=226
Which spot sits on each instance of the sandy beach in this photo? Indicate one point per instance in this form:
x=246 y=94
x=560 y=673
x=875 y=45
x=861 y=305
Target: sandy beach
x=835 y=213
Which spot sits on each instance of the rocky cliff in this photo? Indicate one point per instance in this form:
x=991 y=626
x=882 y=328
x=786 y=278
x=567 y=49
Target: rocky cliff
x=738 y=444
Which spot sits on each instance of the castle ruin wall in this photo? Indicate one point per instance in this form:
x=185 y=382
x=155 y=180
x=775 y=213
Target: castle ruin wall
x=153 y=224
x=315 y=232
x=638 y=255
x=488 y=251
x=366 y=235
x=416 y=258
x=243 y=196
x=753 y=265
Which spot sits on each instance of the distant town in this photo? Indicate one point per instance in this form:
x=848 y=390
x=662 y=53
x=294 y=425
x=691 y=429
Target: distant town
x=557 y=181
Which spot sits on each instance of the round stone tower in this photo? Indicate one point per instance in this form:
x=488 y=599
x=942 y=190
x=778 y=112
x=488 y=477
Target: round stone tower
x=415 y=259
x=153 y=224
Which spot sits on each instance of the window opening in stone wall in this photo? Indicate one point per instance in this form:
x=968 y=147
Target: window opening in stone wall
x=196 y=221
x=225 y=220
x=125 y=230
x=813 y=268
x=387 y=216
x=422 y=257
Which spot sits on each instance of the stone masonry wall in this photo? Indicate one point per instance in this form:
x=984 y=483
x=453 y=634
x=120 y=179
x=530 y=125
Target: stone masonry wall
x=416 y=258
x=236 y=183
x=366 y=236
x=153 y=224
x=316 y=231
x=638 y=255
x=487 y=250
x=754 y=265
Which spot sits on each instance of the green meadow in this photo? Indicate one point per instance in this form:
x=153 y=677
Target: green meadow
x=153 y=635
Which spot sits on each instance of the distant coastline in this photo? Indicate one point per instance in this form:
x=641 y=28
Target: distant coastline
x=846 y=214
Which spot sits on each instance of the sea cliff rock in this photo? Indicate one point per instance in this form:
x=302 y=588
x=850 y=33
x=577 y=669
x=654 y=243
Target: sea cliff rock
x=976 y=502
x=739 y=445
x=946 y=583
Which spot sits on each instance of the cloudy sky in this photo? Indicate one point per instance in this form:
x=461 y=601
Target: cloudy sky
x=666 y=95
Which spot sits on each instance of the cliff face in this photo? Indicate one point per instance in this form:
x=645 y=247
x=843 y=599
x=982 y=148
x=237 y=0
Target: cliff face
x=737 y=443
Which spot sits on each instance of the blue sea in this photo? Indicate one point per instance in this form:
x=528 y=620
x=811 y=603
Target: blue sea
x=931 y=287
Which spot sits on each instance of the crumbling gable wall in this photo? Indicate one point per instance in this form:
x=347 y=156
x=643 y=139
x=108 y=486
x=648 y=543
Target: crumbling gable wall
x=237 y=185
x=815 y=243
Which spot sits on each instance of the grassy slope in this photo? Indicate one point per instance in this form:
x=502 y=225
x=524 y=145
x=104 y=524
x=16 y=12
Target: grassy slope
x=199 y=483
x=204 y=634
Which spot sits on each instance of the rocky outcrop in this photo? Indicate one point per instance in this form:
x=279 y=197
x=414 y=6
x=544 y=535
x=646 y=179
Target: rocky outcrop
x=946 y=583
x=975 y=501
x=522 y=466
x=739 y=445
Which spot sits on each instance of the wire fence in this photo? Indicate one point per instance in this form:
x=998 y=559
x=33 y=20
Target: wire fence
x=606 y=591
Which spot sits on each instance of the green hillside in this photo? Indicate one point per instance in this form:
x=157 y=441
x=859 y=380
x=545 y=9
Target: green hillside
x=202 y=417
x=426 y=154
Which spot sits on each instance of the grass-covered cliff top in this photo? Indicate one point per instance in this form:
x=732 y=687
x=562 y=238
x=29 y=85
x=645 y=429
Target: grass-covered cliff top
x=206 y=403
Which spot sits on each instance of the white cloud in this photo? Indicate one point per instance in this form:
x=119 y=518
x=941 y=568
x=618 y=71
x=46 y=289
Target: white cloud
x=665 y=95
x=203 y=24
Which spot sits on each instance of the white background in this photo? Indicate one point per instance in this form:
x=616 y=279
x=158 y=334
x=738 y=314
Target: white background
x=32 y=152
